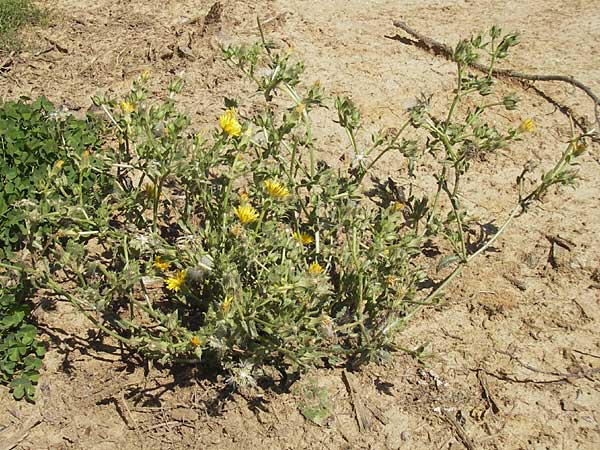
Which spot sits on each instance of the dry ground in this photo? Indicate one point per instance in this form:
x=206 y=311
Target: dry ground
x=514 y=346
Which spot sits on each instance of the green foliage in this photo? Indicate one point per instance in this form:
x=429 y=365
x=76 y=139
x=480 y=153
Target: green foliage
x=241 y=249
x=14 y=14
x=20 y=350
x=38 y=143
x=315 y=404
x=46 y=160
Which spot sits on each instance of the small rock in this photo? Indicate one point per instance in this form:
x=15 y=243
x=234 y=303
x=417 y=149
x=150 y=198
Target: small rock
x=165 y=53
x=186 y=52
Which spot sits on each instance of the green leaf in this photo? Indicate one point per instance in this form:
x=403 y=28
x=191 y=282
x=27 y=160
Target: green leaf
x=27 y=334
x=316 y=414
x=12 y=320
x=23 y=387
x=446 y=261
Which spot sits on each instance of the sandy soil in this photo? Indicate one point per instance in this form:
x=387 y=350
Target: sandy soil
x=513 y=348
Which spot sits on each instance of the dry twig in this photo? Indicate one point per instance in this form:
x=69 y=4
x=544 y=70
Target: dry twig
x=363 y=418
x=443 y=50
x=562 y=376
x=487 y=395
x=460 y=432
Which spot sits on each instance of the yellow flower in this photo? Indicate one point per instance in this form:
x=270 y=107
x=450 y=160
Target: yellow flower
x=59 y=164
x=244 y=197
x=300 y=107
x=159 y=264
x=326 y=321
x=246 y=213
x=579 y=148
x=230 y=124
x=174 y=284
x=527 y=126
x=226 y=305
x=195 y=341
x=276 y=190
x=303 y=238
x=390 y=280
x=127 y=107
x=397 y=206
x=315 y=269
x=326 y=327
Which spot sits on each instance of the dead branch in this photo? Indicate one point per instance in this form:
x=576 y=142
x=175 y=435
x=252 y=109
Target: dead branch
x=512 y=379
x=562 y=376
x=442 y=49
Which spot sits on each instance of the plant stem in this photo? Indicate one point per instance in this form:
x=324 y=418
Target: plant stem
x=388 y=148
x=436 y=199
x=74 y=301
x=456 y=99
x=440 y=287
x=228 y=191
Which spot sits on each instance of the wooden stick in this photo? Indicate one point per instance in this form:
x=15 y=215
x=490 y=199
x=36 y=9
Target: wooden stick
x=460 y=432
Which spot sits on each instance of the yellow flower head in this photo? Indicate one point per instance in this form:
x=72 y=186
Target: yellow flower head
x=195 y=341
x=226 y=305
x=315 y=269
x=159 y=264
x=246 y=213
x=59 y=164
x=300 y=107
x=244 y=197
x=303 y=238
x=527 y=126
x=397 y=206
x=127 y=107
x=276 y=190
x=390 y=280
x=174 y=284
x=326 y=320
x=579 y=148
x=230 y=124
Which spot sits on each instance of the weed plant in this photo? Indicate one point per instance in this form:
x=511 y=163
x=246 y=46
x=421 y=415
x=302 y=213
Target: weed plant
x=241 y=249
x=14 y=14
